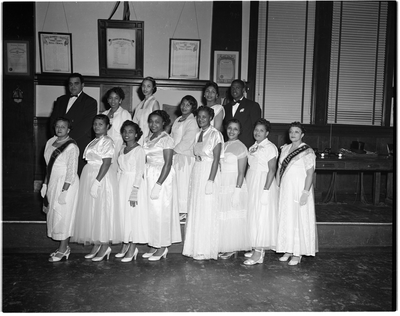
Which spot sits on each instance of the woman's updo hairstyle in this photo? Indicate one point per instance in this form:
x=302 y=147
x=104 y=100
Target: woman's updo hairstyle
x=263 y=122
x=135 y=126
x=153 y=82
x=233 y=120
x=102 y=117
x=299 y=125
x=204 y=108
x=164 y=116
x=118 y=91
x=63 y=119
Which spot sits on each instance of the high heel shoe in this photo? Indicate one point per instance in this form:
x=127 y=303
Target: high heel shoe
x=248 y=254
x=65 y=254
x=285 y=257
x=156 y=258
x=294 y=261
x=93 y=254
x=107 y=253
x=227 y=255
x=251 y=262
x=123 y=252
x=129 y=259
x=149 y=254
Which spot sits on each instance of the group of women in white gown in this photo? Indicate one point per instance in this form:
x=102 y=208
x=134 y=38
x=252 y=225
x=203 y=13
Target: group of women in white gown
x=133 y=188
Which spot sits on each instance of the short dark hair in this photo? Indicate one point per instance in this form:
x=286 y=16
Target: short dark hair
x=192 y=101
x=64 y=119
x=135 y=126
x=161 y=113
x=299 y=125
x=233 y=120
x=264 y=122
x=211 y=84
x=204 y=108
x=102 y=117
x=153 y=82
x=118 y=91
x=76 y=75
x=241 y=82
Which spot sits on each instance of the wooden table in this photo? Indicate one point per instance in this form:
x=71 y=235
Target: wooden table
x=360 y=163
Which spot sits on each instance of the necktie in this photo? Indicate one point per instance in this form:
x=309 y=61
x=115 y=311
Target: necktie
x=200 y=137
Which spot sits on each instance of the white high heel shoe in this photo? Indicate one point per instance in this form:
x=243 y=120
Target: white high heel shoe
x=294 y=261
x=251 y=262
x=125 y=249
x=93 y=254
x=285 y=257
x=107 y=253
x=156 y=258
x=65 y=254
x=148 y=254
x=248 y=254
x=129 y=259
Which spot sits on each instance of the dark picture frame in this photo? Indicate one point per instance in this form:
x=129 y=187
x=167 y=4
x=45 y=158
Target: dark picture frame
x=55 y=52
x=184 y=58
x=16 y=58
x=121 y=48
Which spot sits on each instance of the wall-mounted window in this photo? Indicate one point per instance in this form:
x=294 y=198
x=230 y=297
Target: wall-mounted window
x=356 y=83
x=285 y=60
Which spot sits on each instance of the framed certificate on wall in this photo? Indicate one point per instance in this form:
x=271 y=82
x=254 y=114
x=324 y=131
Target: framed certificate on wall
x=16 y=58
x=120 y=48
x=226 y=67
x=184 y=59
x=55 y=52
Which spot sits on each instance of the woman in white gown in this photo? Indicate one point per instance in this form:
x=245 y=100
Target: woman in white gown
x=148 y=105
x=211 y=94
x=201 y=239
x=60 y=187
x=98 y=219
x=117 y=116
x=132 y=193
x=297 y=234
x=184 y=132
x=163 y=216
x=263 y=193
x=233 y=234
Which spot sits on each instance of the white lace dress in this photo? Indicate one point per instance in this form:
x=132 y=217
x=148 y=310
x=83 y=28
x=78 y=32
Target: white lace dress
x=262 y=218
x=297 y=231
x=98 y=220
x=131 y=172
x=201 y=239
x=233 y=230
x=61 y=217
x=163 y=216
x=141 y=116
x=184 y=134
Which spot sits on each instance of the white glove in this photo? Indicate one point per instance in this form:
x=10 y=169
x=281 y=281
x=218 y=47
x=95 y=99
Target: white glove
x=236 y=198
x=95 y=188
x=264 y=197
x=43 y=190
x=209 y=187
x=62 y=199
x=155 y=192
x=134 y=194
x=304 y=197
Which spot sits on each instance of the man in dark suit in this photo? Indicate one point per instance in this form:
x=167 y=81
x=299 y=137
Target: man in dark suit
x=245 y=110
x=80 y=109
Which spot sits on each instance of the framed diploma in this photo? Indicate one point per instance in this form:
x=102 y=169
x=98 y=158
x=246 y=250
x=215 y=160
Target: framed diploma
x=121 y=48
x=184 y=59
x=55 y=52
x=16 y=58
x=226 y=67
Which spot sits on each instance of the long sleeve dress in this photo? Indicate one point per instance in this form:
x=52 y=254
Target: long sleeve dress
x=297 y=231
x=98 y=220
x=134 y=219
x=201 y=239
x=61 y=217
x=233 y=230
x=163 y=216
x=119 y=117
x=141 y=116
x=184 y=134
x=262 y=218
